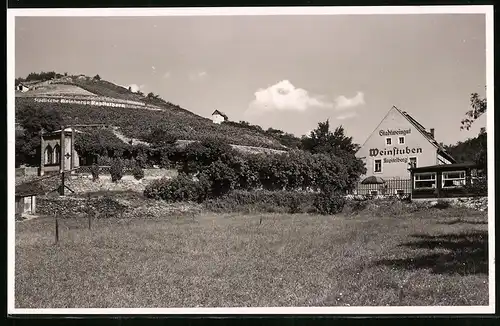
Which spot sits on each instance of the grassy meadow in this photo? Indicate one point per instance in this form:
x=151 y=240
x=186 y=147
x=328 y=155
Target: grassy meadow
x=236 y=260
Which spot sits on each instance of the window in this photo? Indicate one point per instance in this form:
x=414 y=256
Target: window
x=413 y=162
x=377 y=166
x=476 y=176
x=388 y=141
x=401 y=140
x=48 y=154
x=425 y=180
x=453 y=179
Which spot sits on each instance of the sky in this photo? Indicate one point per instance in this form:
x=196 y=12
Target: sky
x=285 y=72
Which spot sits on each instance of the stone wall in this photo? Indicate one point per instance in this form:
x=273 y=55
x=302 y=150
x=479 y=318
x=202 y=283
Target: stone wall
x=84 y=171
x=64 y=207
x=82 y=183
x=26 y=172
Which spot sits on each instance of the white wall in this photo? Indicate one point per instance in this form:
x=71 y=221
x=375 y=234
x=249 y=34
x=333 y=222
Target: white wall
x=395 y=163
x=216 y=118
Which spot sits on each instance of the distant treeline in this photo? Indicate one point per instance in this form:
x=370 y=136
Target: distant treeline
x=469 y=150
x=40 y=76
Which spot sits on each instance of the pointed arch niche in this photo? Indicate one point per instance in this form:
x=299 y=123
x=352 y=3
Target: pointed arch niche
x=48 y=154
x=57 y=154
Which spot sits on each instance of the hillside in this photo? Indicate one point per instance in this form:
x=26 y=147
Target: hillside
x=468 y=151
x=136 y=123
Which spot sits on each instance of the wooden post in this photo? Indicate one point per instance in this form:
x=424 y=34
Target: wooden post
x=42 y=153
x=57 y=230
x=72 y=149
x=63 y=151
x=62 y=184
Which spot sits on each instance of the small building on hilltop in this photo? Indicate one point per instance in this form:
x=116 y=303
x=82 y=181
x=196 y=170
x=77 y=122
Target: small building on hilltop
x=218 y=117
x=398 y=143
x=22 y=88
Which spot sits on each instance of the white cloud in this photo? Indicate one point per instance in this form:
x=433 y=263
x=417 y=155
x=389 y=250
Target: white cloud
x=343 y=102
x=347 y=116
x=135 y=88
x=198 y=75
x=166 y=75
x=284 y=96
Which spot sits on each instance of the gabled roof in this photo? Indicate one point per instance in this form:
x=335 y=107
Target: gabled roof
x=66 y=130
x=420 y=129
x=427 y=135
x=220 y=113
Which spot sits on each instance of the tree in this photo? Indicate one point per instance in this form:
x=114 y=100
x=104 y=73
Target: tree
x=338 y=145
x=322 y=140
x=34 y=120
x=478 y=107
x=97 y=77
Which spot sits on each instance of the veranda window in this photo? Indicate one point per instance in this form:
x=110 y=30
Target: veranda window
x=453 y=179
x=425 y=180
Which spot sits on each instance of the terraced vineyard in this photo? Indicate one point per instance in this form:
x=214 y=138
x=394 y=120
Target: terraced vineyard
x=138 y=123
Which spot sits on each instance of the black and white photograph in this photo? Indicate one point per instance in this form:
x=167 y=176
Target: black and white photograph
x=251 y=160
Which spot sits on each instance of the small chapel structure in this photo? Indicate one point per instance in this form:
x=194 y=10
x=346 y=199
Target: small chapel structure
x=58 y=151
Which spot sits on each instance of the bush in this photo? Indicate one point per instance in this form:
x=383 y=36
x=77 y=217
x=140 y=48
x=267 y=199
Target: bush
x=180 y=188
x=281 y=201
x=138 y=172
x=116 y=170
x=220 y=177
x=329 y=202
x=94 y=169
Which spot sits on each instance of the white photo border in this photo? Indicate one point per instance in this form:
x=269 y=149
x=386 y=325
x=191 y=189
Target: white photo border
x=487 y=10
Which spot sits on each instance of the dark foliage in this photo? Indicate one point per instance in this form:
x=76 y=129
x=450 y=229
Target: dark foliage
x=41 y=77
x=116 y=170
x=180 y=188
x=471 y=150
x=95 y=171
x=263 y=201
x=329 y=202
x=138 y=172
x=220 y=176
x=34 y=120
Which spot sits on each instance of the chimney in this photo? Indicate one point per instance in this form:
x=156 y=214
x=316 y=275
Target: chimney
x=432 y=132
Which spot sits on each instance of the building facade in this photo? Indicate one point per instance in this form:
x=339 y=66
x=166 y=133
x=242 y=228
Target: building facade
x=398 y=143
x=58 y=151
x=22 y=88
x=218 y=117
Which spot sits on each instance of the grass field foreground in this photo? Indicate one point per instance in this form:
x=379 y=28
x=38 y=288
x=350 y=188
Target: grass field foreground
x=252 y=260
